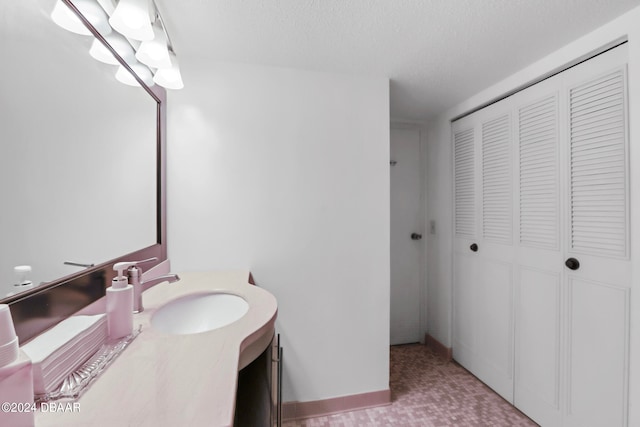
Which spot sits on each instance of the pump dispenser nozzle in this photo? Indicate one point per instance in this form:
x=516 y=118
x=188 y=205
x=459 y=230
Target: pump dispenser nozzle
x=120 y=281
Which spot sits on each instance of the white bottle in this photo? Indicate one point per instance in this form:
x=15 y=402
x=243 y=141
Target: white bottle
x=16 y=389
x=120 y=305
x=16 y=377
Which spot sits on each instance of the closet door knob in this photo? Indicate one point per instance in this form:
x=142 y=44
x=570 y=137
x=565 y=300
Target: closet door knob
x=474 y=247
x=572 y=264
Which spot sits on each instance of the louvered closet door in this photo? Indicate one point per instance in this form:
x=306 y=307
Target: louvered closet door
x=495 y=276
x=597 y=236
x=571 y=327
x=465 y=262
x=484 y=282
x=541 y=309
x=538 y=389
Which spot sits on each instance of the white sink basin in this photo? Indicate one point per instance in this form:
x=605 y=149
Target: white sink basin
x=196 y=313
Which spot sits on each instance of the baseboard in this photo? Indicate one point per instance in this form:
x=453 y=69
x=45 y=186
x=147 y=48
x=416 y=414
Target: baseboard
x=319 y=408
x=438 y=348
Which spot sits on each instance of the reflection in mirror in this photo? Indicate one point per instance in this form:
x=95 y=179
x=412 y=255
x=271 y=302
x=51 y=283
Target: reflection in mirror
x=78 y=156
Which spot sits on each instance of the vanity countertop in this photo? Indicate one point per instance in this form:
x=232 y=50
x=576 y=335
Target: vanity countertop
x=177 y=380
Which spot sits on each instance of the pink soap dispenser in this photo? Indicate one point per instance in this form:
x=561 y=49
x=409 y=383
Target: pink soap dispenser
x=120 y=304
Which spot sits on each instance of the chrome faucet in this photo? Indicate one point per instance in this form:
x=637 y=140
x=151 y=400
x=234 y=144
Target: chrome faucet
x=134 y=273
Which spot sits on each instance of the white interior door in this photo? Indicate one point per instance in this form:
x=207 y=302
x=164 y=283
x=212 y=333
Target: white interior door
x=466 y=263
x=483 y=261
x=572 y=319
x=541 y=296
x=597 y=237
x=540 y=264
x=406 y=253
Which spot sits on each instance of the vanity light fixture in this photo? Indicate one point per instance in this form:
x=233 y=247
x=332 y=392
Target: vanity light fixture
x=67 y=19
x=124 y=76
x=99 y=52
x=131 y=18
x=155 y=52
x=169 y=78
x=136 y=39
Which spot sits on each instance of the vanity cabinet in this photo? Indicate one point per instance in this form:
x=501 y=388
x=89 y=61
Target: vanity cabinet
x=259 y=393
x=542 y=270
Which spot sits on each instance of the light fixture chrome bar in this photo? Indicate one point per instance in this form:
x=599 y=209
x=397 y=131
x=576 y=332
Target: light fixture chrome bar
x=164 y=27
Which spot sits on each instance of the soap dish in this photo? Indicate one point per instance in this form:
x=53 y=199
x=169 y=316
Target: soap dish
x=79 y=380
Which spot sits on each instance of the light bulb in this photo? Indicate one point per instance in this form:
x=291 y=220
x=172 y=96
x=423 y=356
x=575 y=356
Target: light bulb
x=124 y=76
x=131 y=19
x=155 y=53
x=67 y=19
x=169 y=78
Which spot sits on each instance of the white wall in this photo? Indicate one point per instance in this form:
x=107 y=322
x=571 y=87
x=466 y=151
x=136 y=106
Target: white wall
x=286 y=173
x=439 y=179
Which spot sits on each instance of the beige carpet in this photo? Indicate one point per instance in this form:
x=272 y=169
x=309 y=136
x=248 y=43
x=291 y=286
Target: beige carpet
x=427 y=391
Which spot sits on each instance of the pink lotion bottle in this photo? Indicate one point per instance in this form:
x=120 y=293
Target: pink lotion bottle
x=120 y=304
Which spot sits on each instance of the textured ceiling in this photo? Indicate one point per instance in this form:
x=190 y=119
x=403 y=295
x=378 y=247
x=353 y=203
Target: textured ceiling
x=436 y=52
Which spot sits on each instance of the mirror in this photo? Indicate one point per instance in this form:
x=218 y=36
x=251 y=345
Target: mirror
x=79 y=157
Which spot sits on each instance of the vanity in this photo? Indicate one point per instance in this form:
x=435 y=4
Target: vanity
x=171 y=380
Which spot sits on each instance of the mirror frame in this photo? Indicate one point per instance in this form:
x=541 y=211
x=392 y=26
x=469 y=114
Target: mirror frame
x=36 y=310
